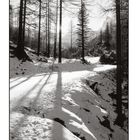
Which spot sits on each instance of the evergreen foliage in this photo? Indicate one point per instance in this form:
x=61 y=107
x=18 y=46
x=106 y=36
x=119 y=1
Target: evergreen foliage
x=82 y=30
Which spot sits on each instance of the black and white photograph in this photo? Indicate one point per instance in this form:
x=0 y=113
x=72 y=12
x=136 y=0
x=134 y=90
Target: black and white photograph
x=68 y=70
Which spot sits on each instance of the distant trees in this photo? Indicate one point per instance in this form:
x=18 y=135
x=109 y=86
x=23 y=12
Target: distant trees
x=107 y=37
x=104 y=38
x=30 y=15
x=36 y=20
x=41 y=17
x=101 y=37
x=82 y=29
x=71 y=35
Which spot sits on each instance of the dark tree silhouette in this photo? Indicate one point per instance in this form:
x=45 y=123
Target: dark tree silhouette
x=101 y=36
x=19 y=52
x=82 y=29
x=71 y=34
x=107 y=37
x=48 y=48
x=60 y=32
x=39 y=28
x=24 y=22
x=10 y=21
x=55 y=35
x=119 y=66
x=20 y=47
x=46 y=27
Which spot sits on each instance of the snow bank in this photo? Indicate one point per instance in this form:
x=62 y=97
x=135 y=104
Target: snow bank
x=20 y=68
x=56 y=101
x=23 y=127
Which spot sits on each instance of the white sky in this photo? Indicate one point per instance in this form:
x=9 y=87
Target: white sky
x=95 y=17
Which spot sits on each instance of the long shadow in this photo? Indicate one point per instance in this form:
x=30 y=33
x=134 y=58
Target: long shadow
x=23 y=119
x=39 y=91
x=15 y=79
x=29 y=77
x=26 y=78
x=23 y=98
x=58 y=108
x=58 y=117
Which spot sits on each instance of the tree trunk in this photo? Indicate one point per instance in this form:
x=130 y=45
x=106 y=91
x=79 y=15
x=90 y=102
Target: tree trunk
x=55 y=36
x=46 y=28
x=19 y=52
x=48 y=52
x=83 y=43
x=29 y=39
x=38 y=51
x=71 y=34
x=60 y=32
x=101 y=36
x=24 y=22
x=119 y=65
x=10 y=22
x=20 y=41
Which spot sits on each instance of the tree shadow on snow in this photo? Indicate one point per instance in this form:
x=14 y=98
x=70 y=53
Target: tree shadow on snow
x=15 y=79
x=58 y=108
x=60 y=114
x=21 y=100
x=29 y=77
x=27 y=110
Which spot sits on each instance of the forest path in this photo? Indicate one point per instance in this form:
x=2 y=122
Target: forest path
x=27 y=88
x=48 y=95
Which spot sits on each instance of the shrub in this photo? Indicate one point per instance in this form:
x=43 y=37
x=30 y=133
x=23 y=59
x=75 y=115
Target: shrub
x=108 y=57
x=71 y=53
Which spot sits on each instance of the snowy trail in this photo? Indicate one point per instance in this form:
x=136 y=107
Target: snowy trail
x=29 y=86
x=27 y=89
x=60 y=99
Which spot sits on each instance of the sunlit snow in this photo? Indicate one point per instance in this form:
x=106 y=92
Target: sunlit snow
x=52 y=101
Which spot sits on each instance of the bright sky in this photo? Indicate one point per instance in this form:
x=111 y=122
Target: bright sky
x=96 y=18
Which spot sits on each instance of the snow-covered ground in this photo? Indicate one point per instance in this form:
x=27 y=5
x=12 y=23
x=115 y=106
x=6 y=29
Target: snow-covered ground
x=55 y=102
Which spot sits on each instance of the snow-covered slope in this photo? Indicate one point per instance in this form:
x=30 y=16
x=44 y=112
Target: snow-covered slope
x=20 y=68
x=35 y=128
x=68 y=101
